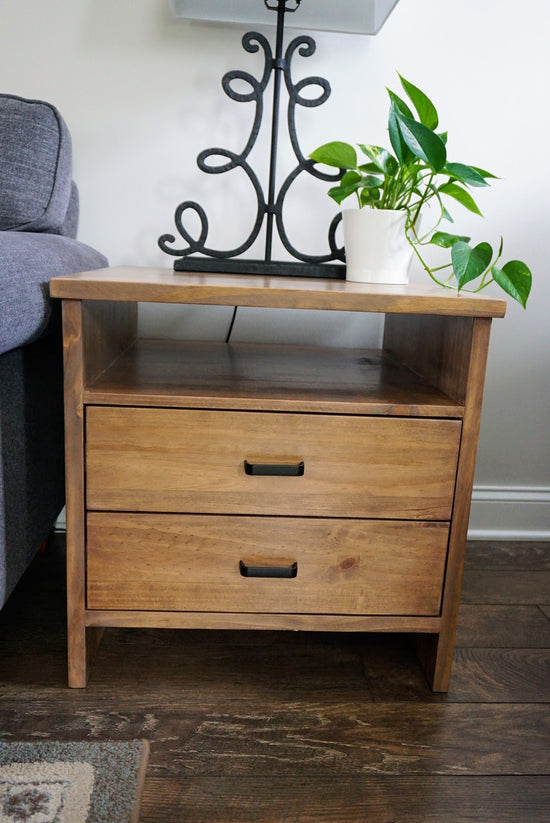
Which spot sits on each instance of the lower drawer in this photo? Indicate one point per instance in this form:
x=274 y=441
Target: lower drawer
x=209 y=563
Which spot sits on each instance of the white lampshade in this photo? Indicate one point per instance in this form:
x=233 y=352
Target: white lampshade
x=354 y=16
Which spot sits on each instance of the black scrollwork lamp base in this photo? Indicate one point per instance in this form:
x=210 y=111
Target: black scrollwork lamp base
x=270 y=207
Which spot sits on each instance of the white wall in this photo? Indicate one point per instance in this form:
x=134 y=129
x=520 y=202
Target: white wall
x=141 y=94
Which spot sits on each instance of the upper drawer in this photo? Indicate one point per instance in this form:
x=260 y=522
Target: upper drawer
x=165 y=460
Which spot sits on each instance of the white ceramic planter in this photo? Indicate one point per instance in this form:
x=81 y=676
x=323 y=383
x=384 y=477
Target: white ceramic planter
x=377 y=250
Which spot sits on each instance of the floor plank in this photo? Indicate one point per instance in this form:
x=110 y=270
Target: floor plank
x=349 y=800
x=501 y=675
x=309 y=739
x=513 y=587
x=502 y=626
x=508 y=554
x=487 y=675
x=374 y=738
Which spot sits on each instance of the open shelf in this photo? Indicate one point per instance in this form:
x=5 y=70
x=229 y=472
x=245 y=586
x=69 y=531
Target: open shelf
x=267 y=377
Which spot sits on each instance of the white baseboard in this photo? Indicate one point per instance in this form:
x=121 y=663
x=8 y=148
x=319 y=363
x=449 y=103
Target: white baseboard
x=61 y=522
x=507 y=513
x=498 y=513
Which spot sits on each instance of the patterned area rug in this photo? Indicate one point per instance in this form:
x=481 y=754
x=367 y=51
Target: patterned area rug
x=72 y=782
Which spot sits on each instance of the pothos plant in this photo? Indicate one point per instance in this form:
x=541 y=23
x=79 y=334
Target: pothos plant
x=416 y=175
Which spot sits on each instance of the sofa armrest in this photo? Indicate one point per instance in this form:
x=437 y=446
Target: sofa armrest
x=27 y=263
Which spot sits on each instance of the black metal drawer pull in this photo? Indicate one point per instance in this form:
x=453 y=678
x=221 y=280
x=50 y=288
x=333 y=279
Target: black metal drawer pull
x=275 y=469
x=268 y=571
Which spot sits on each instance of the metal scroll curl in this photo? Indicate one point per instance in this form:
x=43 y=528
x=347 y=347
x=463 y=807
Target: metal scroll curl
x=269 y=208
x=306 y=47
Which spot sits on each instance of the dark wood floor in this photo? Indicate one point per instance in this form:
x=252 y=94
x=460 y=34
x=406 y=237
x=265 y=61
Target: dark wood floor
x=270 y=727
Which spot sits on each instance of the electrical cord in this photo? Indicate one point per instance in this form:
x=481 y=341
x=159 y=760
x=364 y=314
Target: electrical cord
x=228 y=335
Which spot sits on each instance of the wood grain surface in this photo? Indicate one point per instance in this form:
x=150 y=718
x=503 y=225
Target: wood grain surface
x=191 y=563
x=398 y=465
x=268 y=378
x=132 y=283
x=193 y=461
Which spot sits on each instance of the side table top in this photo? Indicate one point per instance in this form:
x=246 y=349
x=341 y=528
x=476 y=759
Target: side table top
x=163 y=285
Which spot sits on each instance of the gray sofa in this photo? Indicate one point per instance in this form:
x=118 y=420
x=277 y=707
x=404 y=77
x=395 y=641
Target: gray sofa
x=38 y=222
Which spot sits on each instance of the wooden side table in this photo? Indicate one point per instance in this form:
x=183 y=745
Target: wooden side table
x=214 y=485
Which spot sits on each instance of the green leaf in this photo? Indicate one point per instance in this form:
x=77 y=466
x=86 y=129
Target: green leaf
x=368 y=168
x=338 y=154
x=422 y=142
x=339 y=193
x=369 y=197
x=469 y=263
x=461 y=195
x=369 y=181
x=445 y=240
x=515 y=279
x=381 y=158
x=485 y=173
x=466 y=174
x=423 y=105
x=400 y=104
x=404 y=154
x=349 y=178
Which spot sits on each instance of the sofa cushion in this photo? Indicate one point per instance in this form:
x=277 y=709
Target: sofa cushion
x=35 y=165
x=31 y=454
x=27 y=263
x=70 y=224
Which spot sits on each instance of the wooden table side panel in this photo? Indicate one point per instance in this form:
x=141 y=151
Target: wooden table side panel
x=438 y=348
x=437 y=653
x=108 y=329
x=74 y=473
x=191 y=563
x=93 y=335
